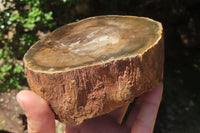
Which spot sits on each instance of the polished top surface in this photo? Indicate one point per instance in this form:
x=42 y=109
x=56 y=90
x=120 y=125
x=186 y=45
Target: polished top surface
x=92 y=41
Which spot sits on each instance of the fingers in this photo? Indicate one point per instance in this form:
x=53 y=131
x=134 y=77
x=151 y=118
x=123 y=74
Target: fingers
x=39 y=115
x=109 y=123
x=118 y=114
x=142 y=117
x=101 y=124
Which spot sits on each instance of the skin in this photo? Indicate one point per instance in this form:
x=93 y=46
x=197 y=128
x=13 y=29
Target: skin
x=140 y=120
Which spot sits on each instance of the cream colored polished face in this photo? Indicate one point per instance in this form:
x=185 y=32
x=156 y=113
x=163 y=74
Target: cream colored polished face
x=92 y=41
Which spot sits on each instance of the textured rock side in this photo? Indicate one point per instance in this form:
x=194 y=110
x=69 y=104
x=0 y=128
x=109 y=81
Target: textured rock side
x=95 y=90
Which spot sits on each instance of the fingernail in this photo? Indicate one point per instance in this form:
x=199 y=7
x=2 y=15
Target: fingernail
x=19 y=98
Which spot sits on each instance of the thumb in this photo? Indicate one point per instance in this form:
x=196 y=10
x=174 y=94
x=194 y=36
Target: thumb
x=39 y=115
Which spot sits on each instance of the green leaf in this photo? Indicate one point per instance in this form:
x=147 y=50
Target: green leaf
x=3 y=122
x=38 y=18
x=1 y=53
x=6 y=68
x=2 y=75
x=48 y=16
x=17 y=69
x=14 y=17
x=29 y=25
x=14 y=82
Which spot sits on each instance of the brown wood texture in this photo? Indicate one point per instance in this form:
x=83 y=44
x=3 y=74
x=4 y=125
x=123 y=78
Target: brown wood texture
x=91 y=90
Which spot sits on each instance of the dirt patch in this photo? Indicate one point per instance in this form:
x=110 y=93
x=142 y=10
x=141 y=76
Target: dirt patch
x=12 y=118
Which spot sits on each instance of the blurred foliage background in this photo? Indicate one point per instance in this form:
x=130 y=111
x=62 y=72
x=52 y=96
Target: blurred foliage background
x=23 y=22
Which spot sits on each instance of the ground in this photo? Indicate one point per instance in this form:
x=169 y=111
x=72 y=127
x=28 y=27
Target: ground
x=12 y=117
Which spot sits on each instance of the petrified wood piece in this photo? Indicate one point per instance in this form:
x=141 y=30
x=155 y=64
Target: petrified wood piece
x=91 y=67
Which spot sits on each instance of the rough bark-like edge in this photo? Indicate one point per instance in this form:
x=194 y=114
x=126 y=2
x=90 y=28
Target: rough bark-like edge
x=95 y=90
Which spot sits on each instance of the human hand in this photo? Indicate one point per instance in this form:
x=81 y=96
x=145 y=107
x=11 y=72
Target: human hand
x=140 y=120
